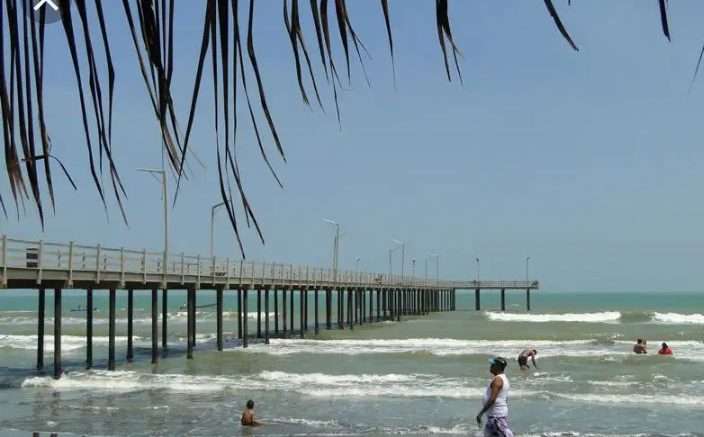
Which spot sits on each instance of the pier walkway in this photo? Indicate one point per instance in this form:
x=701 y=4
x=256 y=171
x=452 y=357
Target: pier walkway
x=359 y=297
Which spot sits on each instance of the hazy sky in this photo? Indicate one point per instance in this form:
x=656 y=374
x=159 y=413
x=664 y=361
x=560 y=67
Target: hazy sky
x=589 y=161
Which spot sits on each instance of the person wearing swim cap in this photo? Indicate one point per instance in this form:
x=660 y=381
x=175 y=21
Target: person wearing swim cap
x=496 y=401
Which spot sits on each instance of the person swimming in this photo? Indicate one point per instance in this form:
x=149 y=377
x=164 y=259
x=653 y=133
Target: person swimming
x=665 y=349
x=640 y=347
x=523 y=359
x=248 y=415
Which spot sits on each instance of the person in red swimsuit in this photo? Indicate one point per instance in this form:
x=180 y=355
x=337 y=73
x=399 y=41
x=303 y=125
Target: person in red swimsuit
x=665 y=349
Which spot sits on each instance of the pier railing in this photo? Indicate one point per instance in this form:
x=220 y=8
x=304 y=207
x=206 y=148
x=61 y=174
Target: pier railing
x=73 y=259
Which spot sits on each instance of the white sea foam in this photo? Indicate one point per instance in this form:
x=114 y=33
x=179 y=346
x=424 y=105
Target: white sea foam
x=68 y=342
x=178 y=316
x=311 y=384
x=434 y=346
x=633 y=398
x=600 y=317
x=677 y=318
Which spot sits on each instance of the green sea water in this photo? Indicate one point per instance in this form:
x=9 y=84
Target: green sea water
x=423 y=375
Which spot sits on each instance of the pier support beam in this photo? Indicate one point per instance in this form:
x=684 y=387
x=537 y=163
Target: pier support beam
x=218 y=317
x=246 y=317
x=276 y=311
x=189 y=325
x=239 y=313
x=302 y=305
x=378 y=304
x=527 y=299
x=293 y=312
x=111 y=329
x=328 y=308
x=259 y=313
x=398 y=305
x=89 y=328
x=283 y=319
x=350 y=305
x=317 y=329
x=130 y=316
x=57 y=333
x=155 y=325
x=164 y=319
x=503 y=299
x=41 y=309
x=194 y=324
x=305 y=310
x=477 y=300
x=266 y=316
x=340 y=321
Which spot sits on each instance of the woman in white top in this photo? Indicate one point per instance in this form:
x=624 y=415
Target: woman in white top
x=496 y=402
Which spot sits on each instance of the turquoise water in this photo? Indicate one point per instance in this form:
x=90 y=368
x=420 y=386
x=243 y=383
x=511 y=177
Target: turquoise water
x=423 y=375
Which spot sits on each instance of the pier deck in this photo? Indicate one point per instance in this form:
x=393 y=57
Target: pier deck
x=360 y=297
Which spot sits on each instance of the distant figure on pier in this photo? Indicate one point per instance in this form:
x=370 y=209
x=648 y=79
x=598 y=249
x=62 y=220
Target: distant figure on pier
x=248 y=415
x=665 y=349
x=640 y=347
x=523 y=358
x=496 y=402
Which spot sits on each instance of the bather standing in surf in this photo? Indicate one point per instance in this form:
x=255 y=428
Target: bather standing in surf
x=496 y=402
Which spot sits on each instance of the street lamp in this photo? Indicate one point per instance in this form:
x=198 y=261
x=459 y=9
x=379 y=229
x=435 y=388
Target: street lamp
x=212 y=226
x=437 y=267
x=165 y=193
x=413 y=270
x=357 y=263
x=478 y=268
x=403 y=255
x=527 y=261
x=335 y=246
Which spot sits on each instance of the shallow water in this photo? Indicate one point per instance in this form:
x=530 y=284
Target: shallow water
x=421 y=376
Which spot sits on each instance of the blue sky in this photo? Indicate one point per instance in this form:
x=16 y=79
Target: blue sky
x=589 y=161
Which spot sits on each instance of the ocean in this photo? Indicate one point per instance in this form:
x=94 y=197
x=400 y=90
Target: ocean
x=424 y=375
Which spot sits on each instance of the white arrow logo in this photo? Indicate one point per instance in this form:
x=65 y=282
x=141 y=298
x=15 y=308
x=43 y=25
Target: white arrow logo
x=41 y=3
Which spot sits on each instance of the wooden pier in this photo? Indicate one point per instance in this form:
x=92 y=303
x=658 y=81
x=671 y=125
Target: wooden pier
x=361 y=297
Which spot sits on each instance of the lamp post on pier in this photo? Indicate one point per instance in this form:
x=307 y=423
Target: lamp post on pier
x=165 y=194
x=402 y=244
x=478 y=269
x=335 y=247
x=527 y=265
x=212 y=227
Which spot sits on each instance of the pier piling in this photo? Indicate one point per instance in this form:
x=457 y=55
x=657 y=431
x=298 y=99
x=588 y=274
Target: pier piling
x=276 y=311
x=503 y=299
x=164 y=318
x=328 y=308
x=266 y=316
x=41 y=308
x=283 y=319
x=130 y=315
x=189 y=324
x=57 y=333
x=316 y=310
x=477 y=300
x=239 y=313
x=246 y=317
x=155 y=325
x=111 y=329
x=259 y=313
x=302 y=305
x=89 y=328
x=218 y=316
x=527 y=299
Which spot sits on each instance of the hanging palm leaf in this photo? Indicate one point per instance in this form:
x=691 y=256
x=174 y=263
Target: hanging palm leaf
x=234 y=65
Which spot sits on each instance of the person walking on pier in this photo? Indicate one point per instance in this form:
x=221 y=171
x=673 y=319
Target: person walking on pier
x=496 y=401
x=248 y=415
x=523 y=358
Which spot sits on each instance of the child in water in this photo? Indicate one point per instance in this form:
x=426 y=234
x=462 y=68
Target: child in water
x=248 y=415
